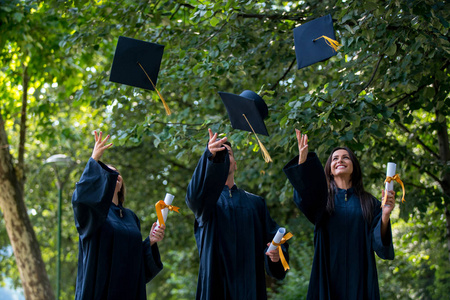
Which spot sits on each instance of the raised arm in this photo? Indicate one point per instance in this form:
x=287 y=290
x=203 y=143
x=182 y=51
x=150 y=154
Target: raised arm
x=94 y=192
x=208 y=179
x=306 y=174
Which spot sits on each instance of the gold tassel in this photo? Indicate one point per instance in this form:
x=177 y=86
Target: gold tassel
x=330 y=42
x=166 y=107
x=264 y=151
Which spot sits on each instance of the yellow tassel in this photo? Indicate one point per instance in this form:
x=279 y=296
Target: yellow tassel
x=330 y=42
x=166 y=107
x=264 y=151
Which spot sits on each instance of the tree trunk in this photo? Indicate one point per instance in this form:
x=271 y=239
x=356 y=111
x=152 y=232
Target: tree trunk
x=27 y=253
x=444 y=154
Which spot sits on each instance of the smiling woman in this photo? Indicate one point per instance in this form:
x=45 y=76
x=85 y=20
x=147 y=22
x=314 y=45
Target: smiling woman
x=349 y=223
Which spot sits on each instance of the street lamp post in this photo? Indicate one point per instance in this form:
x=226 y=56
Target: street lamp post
x=58 y=161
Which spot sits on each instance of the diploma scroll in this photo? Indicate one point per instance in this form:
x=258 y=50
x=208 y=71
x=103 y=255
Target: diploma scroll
x=389 y=182
x=277 y=238
x=280 y=238
x=165 y=211
x=389 y=186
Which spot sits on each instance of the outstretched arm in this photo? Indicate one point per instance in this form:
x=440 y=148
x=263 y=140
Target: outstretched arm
x=208 y=179
x=94 y=191
x=306 y=174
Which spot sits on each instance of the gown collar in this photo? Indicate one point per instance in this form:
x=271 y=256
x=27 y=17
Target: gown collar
x=226 y=188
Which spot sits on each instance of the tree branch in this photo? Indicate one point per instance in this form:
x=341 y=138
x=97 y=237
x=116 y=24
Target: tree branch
x=211 y=36
x=270 y=17
x=23 y=128
x=406 y=96
x=373 y=74
x=404 y=128
x=284 y=75
x=447 y=63
x=428 y=173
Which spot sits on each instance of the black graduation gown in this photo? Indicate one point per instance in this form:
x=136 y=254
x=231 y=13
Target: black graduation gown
x=344 y=264
x=113 y=261
x=232 y=228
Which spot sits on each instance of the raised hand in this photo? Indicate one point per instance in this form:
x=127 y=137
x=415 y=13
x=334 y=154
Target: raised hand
x=302 y=140
x=156 y=234
x=99 y=146
x=215 y=145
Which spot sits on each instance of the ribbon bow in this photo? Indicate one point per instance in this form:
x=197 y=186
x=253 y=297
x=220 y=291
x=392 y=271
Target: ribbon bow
x=283 y=240
x=396 y=177
x=160 y=205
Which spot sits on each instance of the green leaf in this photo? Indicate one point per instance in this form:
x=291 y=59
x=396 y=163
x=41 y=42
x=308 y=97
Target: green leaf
x=214 y=21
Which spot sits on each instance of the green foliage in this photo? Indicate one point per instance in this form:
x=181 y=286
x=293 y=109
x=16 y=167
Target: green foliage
x=385 y=95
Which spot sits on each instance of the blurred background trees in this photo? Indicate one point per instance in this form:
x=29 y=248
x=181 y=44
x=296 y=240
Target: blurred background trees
x=385 y=95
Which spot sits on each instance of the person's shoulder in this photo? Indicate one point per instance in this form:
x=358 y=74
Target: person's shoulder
x=253 y=196
x=129 y=211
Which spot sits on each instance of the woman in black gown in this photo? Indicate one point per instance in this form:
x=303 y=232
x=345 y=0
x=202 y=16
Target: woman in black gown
x=349 y=223
x=113 y=261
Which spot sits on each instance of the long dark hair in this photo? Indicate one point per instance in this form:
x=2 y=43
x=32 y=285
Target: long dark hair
x=122 y=192
x=365 y=198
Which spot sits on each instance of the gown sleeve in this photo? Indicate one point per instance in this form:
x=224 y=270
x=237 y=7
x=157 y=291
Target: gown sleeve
x=207 y=183
x=274 y=269
x=93 y=196
x=310 y=186
x=151 y=257
x=383 y=248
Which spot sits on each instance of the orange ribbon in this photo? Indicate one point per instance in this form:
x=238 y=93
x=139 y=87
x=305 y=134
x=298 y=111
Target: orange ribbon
x=160 y=205
x=396 y=177
x=286 y=237
x=166 y=107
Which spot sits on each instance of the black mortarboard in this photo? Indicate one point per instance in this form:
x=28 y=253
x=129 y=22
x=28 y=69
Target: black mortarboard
x=251 y=105
x=136 y=63
x=247 y=111
x=315 y=41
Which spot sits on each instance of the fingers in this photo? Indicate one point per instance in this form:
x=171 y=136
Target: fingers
x=215 y=145
x=273 y=255
x=218 y=144
x=302 y=139
x=305 y=140
x=299 y=136
x=210 y=134
x=390 y=199
x=157 y=232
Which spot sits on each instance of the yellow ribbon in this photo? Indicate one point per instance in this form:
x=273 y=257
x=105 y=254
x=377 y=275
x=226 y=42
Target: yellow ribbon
x=286 y=237
x=330 y=42
x=166 y=107
x=265 y=153
x=160 y=205
x=396 y=177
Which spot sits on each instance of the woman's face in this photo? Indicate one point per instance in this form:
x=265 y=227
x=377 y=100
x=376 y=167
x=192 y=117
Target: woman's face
x=341 y=164
x=118 y=182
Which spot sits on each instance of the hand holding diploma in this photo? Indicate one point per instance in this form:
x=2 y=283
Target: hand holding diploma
x=156 y=233
x=163 y=207
x=279 y=239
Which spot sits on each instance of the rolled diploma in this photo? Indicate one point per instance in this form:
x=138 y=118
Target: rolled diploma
x=168 y=201
x=389 y=186
x=277 y=238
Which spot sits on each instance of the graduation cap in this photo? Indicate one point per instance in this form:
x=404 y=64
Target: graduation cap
x=247 y=112
x=315 y=41
x=136 y=63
